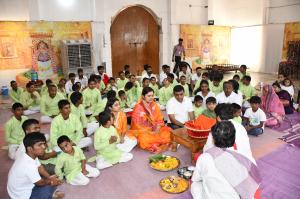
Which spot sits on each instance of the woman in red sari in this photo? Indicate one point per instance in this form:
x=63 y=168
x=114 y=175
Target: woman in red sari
x=147 y=124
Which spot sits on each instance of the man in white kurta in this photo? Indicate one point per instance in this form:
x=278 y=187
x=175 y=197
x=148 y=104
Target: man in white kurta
x=228 y=96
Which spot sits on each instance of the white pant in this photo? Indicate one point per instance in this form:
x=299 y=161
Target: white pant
x=12 y=150
x=127 y=145
x=32 y=110
x=92 y=127
x=102 y=164
x=81 y=179
x=45 y=119
x=84 y=142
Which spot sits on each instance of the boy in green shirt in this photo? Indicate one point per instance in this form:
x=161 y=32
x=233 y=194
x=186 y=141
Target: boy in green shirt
x=67 y=124
x=247 y=90
x=154 y=86
x=216 y=85
x=237 y=112
x=198 y=109
x=44 y=89
x=184 y=85
x=123 y=100
x=171 y=79
x=77 y=109
x=71 y=164
x=49 y=101
x=13 y=130
x=242 y=71
x=91 y=96
x=211 y=103
x=106 y=139
x=146 y=83
x=165 y=92
x=30 y=99
x=122 y=81
x=15 y=91
x=130 y=94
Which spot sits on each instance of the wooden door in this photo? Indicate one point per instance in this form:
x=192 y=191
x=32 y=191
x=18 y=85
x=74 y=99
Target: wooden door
x=134 y=41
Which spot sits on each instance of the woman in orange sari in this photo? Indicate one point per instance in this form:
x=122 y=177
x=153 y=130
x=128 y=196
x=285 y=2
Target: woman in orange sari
x=127 y=141
x=147 y=124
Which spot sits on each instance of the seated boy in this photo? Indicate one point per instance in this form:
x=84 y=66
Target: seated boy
x=91 y=96
x=44 y=89
x=130 y=91
x=81 y=78
x=243 y=71
x=154 y=86
x=216 y=85
x=198 y=109
x=68 y=124
x=13 y=130
x=123 y=100
x=15 y=91
x=77 y=109
x=122 y=81
x=247 y=90
x=254 y=117
x=211 y=103
x=236 y=78
x=26 y=178
x=184 y=85
x=61 y=87
x=49 y=101
x=237 y=113
x=111 y=85
x=70 y=83
x=165 y=93
x=106 y=139
x=30 y=99
x=145 y=83
x=71 y=164
x=172 y=80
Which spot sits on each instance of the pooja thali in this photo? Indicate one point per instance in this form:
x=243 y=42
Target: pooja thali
x=163 y=162
x=174 y=184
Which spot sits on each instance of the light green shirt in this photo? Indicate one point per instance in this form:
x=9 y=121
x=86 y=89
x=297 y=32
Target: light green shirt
x=238 y=119
x=62 y=92
x=27 y=101
x=198 y=111
x=70 y=127
x=80 y=112
x=15 y=95
x=49 y=106
x=109 y=152
x=242 y=75
x=175 y=83
x=100 y=106
x=155 y=88
x=50 y=160
x=248 y=91
x=121 y=83
x=186 y=90
x=44 y=90
x=69 y=165
x=165 y=94
x=216 y=89
x=14 y=133
x=91 y=97
x=131 y=96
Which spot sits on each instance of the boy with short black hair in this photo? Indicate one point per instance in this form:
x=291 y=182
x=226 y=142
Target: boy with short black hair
x=123 y=100
x=91 y=95
x=71 y=164
x=254 y=117
x=70 y=83
x=111 y=85
x=184 y=85
x=122 y=81
x=66 y=123
x=211 y=104
x=154 y=86
x=30 y=99
x=15 y=91
x=13 y=130
x=165 y=93
x=198 y=109
x=247 y=90
x=81 y=78
x=237 y=113
x=106 y=139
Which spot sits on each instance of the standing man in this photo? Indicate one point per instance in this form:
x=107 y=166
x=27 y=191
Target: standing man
x=177 y=53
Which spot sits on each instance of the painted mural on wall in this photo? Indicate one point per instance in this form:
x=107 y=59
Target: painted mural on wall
x=206 y=44
x=291 y=33
x=36 y=45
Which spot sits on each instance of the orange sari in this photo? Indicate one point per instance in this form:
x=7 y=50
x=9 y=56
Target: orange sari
x=121 y=126
x=145 y=122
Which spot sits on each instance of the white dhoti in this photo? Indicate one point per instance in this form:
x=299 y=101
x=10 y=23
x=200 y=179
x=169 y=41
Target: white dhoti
x=127 y=145
x=102 y=164
x=45 y=119
x=32 y=110
x=12 y=150
x=81 y=179
x=92 y=127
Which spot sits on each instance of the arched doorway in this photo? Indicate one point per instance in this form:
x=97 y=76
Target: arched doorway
x=134 y=40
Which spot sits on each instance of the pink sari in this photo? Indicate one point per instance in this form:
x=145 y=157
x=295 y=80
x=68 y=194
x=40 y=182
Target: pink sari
x=272 y=106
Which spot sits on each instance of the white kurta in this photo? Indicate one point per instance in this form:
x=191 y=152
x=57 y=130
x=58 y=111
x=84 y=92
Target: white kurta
x=209 y=183
x=232 y=98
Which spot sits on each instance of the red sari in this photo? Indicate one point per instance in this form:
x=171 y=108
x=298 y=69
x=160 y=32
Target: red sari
x=147 y=125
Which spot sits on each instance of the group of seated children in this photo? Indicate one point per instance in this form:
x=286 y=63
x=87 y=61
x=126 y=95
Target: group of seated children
x=81 y=107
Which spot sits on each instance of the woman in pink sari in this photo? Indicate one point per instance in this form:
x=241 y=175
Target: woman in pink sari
x=272 y=106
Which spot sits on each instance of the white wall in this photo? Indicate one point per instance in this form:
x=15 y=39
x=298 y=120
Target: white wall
x=14 y=10
x=284 y=11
